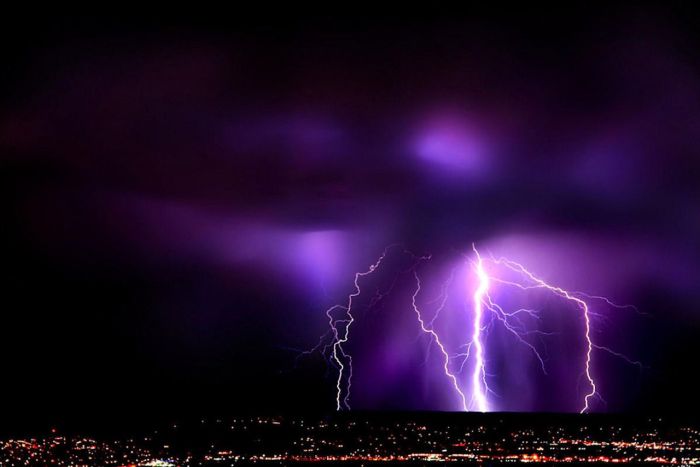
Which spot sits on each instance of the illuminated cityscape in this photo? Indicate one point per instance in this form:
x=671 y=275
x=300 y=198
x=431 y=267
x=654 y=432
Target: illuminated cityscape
x=375 y=438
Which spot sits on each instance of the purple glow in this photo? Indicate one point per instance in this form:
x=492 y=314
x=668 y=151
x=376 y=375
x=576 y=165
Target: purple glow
x=453 y=147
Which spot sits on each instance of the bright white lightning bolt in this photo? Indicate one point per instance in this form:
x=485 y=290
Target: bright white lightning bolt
x=478 y=373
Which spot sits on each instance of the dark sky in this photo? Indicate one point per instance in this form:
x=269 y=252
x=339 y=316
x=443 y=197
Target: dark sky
x=184 y=194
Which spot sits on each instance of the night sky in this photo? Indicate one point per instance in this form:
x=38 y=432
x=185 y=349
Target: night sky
x=185 y=194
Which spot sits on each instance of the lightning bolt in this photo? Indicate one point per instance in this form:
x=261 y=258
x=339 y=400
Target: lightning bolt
x=435 y=338
x=479 y=386
x=338 y=340
x=574 y=297
x=484 y=313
